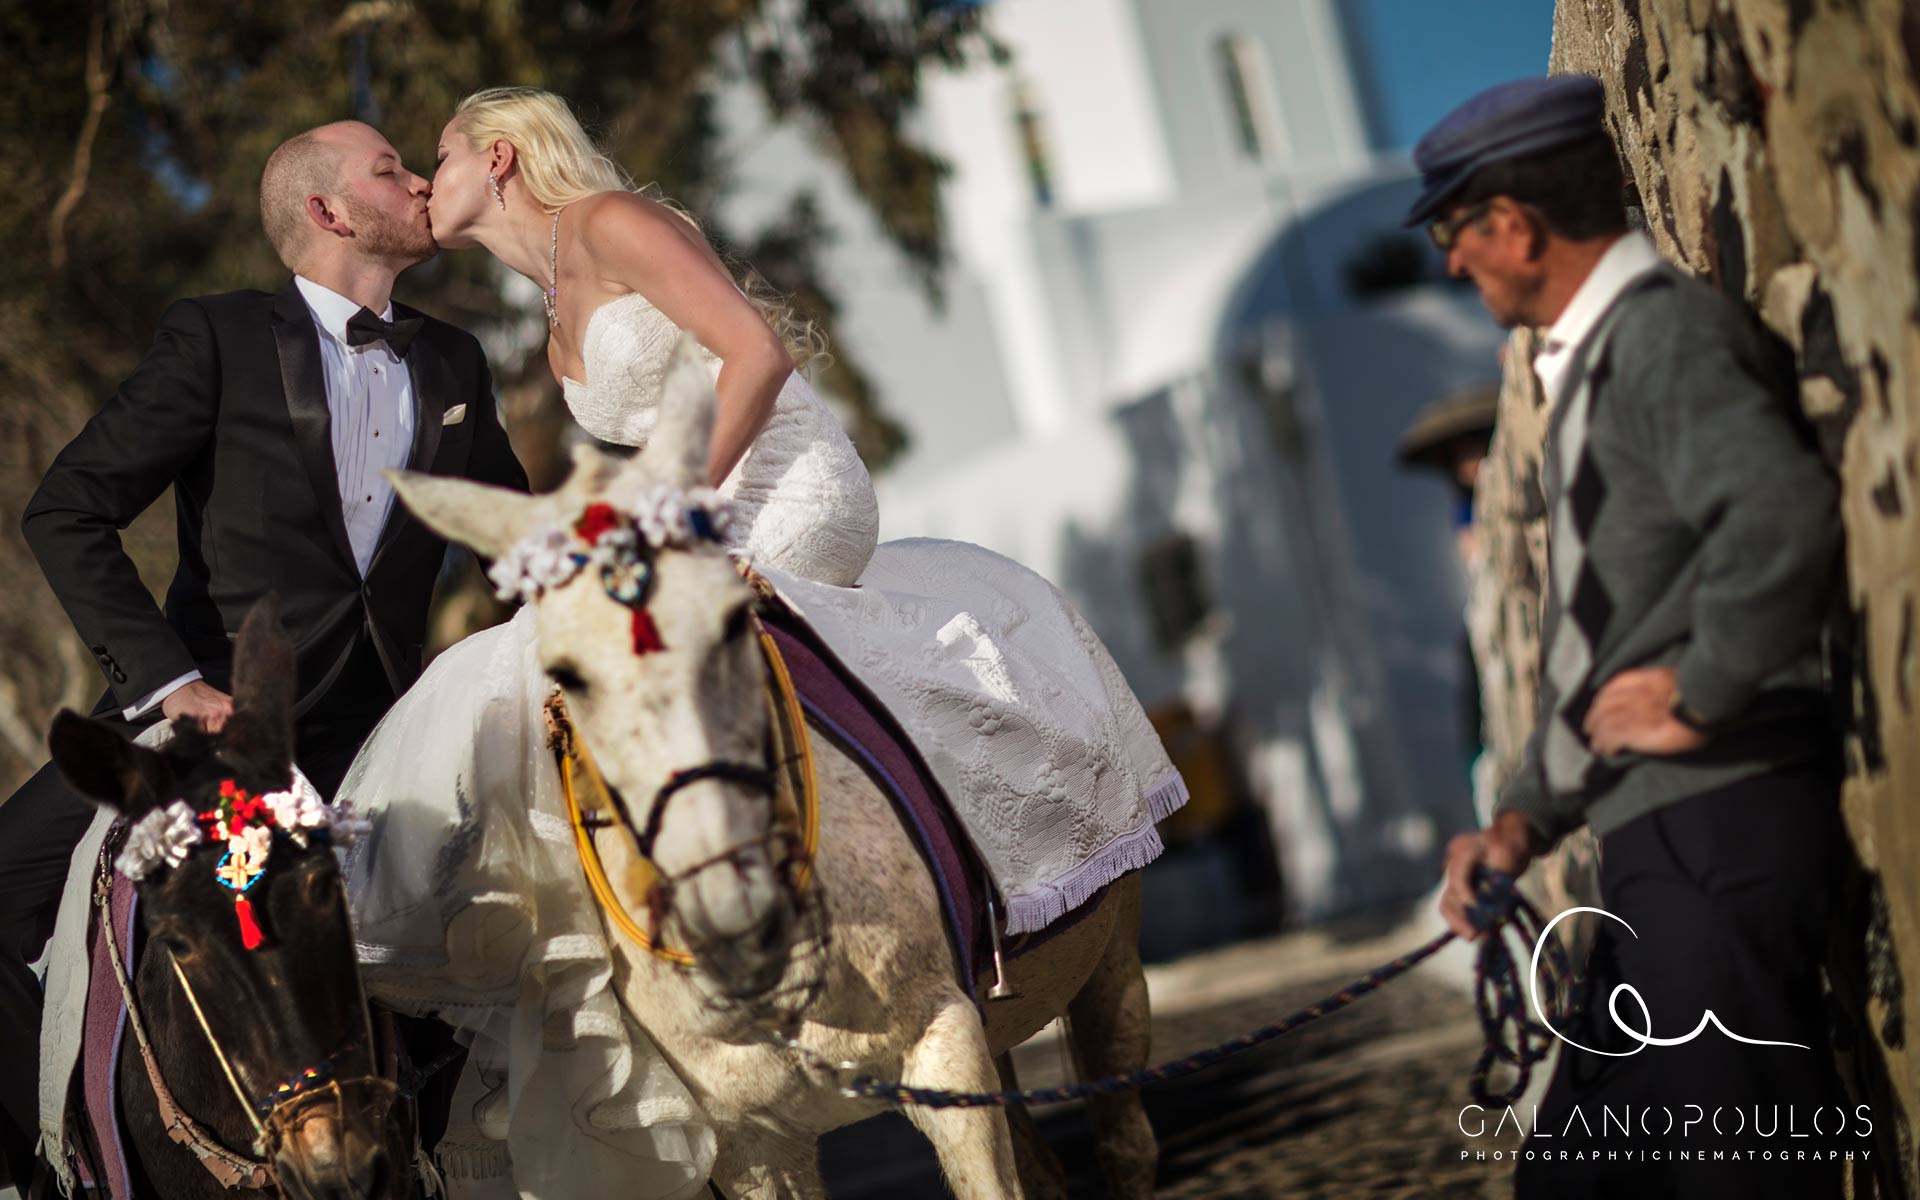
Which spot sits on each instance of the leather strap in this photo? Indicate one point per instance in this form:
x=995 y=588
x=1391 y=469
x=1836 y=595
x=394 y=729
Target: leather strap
x=230 y=1167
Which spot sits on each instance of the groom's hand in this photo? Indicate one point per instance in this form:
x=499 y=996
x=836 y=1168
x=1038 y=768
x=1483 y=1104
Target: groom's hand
x=202 y=701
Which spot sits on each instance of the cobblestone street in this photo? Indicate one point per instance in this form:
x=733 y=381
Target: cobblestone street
x=1361 y=1103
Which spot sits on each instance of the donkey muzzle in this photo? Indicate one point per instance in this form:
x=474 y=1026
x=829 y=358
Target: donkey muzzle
x=331 y=1143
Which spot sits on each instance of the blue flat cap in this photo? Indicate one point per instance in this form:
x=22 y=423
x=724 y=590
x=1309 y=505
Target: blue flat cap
x=1508 y=120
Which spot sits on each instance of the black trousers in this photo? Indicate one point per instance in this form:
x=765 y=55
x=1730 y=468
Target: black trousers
x=42 y=823
x=1727 y=895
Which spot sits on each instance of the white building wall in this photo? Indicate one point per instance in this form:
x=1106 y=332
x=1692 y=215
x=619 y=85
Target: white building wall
x=945 y=372
x=1310 y=82
x=1086 y=67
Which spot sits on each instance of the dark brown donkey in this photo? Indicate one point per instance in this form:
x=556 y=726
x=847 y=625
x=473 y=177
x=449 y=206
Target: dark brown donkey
x=244 y=978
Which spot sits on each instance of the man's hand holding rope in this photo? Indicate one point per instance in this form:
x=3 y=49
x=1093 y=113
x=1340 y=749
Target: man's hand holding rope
x=1507 y=845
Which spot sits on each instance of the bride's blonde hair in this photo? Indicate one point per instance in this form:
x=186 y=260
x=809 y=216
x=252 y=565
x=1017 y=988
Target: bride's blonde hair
x=560 y=163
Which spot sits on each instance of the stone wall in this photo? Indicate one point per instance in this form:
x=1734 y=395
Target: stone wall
x=1775 y=148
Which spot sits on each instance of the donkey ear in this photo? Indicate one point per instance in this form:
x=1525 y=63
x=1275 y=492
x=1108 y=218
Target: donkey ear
x=258 y=738
x=107 y=768
x=481 y=516
x=682 y=439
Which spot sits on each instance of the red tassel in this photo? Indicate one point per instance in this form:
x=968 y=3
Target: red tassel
x=249 y=928
x=646 y=635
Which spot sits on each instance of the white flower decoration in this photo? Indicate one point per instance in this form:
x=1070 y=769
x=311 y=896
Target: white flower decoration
x=165 y=836
x=659 y=514
x=544 y=558
x=299 y=807
x=162 y=838
x=663 y=513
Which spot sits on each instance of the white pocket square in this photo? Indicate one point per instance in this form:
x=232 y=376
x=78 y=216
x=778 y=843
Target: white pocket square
x=455 y=415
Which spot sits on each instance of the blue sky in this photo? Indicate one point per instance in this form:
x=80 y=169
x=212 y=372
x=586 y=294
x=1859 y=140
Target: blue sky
x=1422 y=57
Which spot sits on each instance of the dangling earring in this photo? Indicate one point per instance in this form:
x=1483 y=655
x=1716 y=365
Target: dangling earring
x=493 y=181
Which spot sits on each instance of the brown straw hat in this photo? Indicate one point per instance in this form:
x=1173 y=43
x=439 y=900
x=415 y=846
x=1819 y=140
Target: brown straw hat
x=1463 y=413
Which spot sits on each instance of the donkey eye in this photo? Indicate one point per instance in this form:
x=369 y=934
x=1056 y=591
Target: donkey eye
x=568 y=678
x=172 y=938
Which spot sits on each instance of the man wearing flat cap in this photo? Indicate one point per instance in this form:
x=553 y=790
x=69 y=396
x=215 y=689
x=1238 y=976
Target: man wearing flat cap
x=1693 y=559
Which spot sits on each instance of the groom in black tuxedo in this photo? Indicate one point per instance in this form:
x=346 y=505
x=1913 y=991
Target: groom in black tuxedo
x=272 y=417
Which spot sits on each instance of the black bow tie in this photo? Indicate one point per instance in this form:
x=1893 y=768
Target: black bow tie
x=398 y=335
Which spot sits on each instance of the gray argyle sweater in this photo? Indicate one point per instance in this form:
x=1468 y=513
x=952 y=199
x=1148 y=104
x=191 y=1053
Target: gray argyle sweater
x=1710 y=531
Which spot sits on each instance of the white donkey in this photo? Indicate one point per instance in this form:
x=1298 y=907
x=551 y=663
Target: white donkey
x=891 y=1001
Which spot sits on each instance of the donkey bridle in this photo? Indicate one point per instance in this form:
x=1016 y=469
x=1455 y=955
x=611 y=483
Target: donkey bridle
x=790 y=851
x=760 y=779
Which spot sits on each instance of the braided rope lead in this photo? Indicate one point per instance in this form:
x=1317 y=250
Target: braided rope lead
x=1499 y=1000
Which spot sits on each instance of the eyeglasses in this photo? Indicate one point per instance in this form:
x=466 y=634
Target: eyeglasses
x=1445 y=231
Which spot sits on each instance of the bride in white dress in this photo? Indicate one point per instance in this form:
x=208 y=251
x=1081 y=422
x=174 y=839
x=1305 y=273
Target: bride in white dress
x=467 y=896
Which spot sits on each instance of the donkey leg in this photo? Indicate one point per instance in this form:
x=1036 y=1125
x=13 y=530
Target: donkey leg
x=1041 y=1175
x=1110 y=1029
x=974 y=1144
x=755 y=1163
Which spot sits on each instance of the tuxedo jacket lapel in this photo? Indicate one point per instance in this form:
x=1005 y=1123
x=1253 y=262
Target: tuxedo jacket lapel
x=298 y=342
x=432 y=384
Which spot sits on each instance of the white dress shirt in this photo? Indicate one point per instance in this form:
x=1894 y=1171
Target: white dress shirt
x=370 y=395
x=1625 y=261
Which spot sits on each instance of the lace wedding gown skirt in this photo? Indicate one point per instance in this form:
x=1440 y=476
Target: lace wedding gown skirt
x=467 y=905
x=467 y=896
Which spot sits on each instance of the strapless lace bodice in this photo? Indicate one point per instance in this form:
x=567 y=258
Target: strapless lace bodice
x=803 y=502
